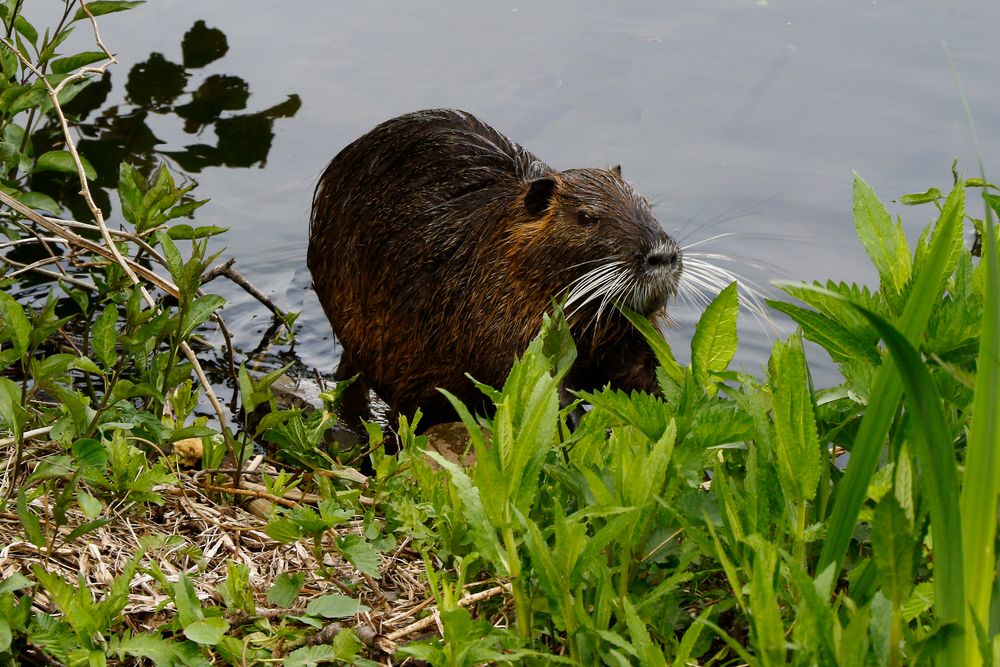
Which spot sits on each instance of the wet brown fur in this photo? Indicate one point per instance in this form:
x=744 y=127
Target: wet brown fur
x=430 y=263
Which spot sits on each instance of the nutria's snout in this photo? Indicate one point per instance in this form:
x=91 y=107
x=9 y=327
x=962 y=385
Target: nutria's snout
x=661 y=272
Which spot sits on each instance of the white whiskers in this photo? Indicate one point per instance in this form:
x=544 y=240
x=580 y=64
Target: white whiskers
x=702 y=278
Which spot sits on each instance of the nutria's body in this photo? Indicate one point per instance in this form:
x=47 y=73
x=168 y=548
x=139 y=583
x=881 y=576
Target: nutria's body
x=437 y=243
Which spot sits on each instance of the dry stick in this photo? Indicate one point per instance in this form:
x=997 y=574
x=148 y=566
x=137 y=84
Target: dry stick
x=44 y=243
x=433 y=618
x=226 y=269
x=75 y=239
x=99 y=216
x=50 y=274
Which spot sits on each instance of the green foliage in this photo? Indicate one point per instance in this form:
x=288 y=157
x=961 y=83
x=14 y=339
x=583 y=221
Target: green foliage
x=709 y=523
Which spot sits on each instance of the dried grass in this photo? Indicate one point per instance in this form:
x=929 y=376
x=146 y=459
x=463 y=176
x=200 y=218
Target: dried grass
x=200 y=534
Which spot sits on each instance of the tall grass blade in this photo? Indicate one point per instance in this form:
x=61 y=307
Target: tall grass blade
x=981 y=484
x=933 y=449
x=888 y=388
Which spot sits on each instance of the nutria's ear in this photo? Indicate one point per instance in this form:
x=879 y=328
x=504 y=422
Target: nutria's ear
x=539 y=195
x=616 y=170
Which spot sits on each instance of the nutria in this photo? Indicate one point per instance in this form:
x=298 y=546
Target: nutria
x=437 y=243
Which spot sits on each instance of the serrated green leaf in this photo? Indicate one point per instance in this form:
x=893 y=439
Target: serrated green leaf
x=207 y=632
x=797 y=444
x=310 y=656
x=11 y=410
x=283 y=530
x=335 y=606
x=29 y=522
x=714 y=342
x=62 y=161
x=104 y=336
x=90 y=453
x=481 y=530
x=361 y=554
x=15 y=323
x=286 y=588
x=884 y=241
x=840 y=343
x=893 y=546
x=200 y=312
x=939 y=466
x=888 y=388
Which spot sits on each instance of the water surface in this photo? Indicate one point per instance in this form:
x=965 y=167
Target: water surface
x=732 y=116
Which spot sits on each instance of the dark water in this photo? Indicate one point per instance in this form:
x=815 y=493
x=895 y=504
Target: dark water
x=733 y=116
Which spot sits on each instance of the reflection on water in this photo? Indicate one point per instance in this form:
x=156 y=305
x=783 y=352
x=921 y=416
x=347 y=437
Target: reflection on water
x=224 y=133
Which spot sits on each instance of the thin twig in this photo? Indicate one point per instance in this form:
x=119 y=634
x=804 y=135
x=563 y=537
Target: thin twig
x=226 y=269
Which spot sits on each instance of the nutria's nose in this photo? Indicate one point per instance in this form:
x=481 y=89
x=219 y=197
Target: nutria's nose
x=663 y=257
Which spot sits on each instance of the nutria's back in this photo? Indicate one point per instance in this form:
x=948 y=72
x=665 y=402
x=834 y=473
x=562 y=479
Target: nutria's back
x=437 y=243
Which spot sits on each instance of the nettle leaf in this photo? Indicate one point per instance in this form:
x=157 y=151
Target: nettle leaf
x=285 y=589
x=29 y=522
x=362 y=555
x=104 y=336
x=12 y=412
x=483 y=533
x=893 y=545
x=200 y=312
x=310 y=656
x=335 y=606
x=797 y=444
x=62 y=161
x=644 y=411
x=208 y=632
x=157 y=649
x=884 y=241
x=714 y=342
x=15 y=324
x=842 y=344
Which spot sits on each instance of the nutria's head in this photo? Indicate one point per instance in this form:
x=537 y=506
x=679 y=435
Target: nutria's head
x=597 y=241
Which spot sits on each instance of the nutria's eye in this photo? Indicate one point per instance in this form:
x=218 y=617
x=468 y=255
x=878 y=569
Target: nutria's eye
x=586 y=218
